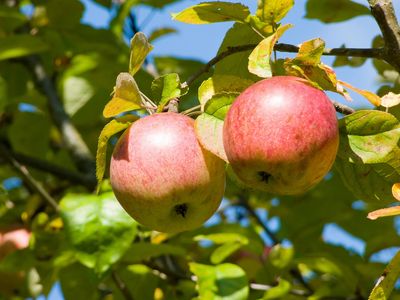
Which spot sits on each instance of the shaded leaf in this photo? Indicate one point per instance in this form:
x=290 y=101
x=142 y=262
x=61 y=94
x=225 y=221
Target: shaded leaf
x=20 y=45
x=140 y=47
x=224 y=281
x=259 y=59
x=166 y=88
x=272 y=11
x=108 y=131
x=11 y=18
x=98 y=229
x=329 y=11
x=142 y=251
x=71 y=280
x=161 y=32
x=211 y=12
x=55 y=10
x=386 y=282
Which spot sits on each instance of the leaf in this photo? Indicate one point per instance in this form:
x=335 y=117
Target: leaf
x=71 y=280
x=20 y=45
x=371 y=97
x=329 y=11
x=222 y=238
x=98 y=229
x=224 y=281
x=310 y=52
x=140 y=47
x=141 y=251
x=166 y=88
x=108 y=131
x=11 y=18
x=58 y=19
x=280 y=257
x=387 y=281
x=368 y=154
x=259 y=59
x=224 y=251
x=384 y=212
x=209 y=125
x=126 y=96
x=279 y=291
x=161 y=32
x=272 y=11
x=212 y=12
x=396 y=191
x=390 y=100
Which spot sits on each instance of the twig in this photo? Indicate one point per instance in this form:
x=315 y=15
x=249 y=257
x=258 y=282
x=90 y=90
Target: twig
x=71 y=137
x=121 y=286
x=343 y=109
x=354 y=52
x=24 y=172
x=384 y=14
x=266 y=287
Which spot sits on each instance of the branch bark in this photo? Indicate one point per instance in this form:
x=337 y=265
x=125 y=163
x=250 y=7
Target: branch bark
x=385 y=17
x=121 y=286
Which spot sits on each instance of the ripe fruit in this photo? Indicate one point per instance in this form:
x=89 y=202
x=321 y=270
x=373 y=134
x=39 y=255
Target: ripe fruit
x=162 y=176
x=281 y=135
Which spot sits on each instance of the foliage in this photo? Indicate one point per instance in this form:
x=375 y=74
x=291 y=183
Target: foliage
x=59 y=114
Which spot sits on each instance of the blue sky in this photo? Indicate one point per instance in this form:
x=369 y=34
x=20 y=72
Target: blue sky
x=202 y=42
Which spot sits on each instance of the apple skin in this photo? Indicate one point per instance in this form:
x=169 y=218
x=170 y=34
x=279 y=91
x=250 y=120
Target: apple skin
x=163 y=177
x=281 y=135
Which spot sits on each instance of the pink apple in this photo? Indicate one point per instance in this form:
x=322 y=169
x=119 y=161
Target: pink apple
x=163 y=177
x=281 y=135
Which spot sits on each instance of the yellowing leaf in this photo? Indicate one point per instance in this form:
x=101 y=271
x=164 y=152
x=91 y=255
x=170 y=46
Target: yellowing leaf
x=390 y=100
x=140 y=47
x=272 y=11
x=126 y=96
x=259 y=59
x=310 y=52
x=371 y=97
x=384 y=212
x=396 y=191
x=108 y=131
x=212 y=12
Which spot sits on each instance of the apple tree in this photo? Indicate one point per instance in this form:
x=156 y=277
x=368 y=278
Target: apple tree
x=78 y=145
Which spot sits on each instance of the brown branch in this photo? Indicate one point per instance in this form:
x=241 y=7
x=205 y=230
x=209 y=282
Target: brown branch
x=384 y=14
x=353 y=52
x=121 y=286
x=27 y=177
x=71 y=137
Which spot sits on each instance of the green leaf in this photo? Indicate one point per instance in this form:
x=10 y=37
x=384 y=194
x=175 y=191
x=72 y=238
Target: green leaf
x=20 y=45
x=329 y=11
x=209 y=125
x=280 y=257
x=224 y=281
x=221 y=84
x=126 y=96
x=237 y=64
x=212 y=12
x=368 y=154
x=161 y=32
x=58 y=19
x=386 y=282
x=272 y=11
x=141 y=251
x=222 y=238
x=259 y=59
x=73 y=277
x=224 y=251
x=166 y=88
x=98 y=229
x=310 y=52
x=140 y=47
x=108 y=131
x=279 y=291
x=11 y=18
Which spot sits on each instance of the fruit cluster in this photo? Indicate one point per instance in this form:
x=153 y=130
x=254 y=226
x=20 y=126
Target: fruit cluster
x=280 y=136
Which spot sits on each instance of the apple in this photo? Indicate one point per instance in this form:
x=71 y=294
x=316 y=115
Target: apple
x=11 y=240
x=281 y=135
x=163 y=177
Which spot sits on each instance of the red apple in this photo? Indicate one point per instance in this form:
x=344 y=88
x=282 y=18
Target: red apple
x=281 y=135
x=163 y=177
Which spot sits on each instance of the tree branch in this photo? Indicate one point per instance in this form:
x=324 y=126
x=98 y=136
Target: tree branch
x=354 y=52
x=384 y=14
x=28 y=178
x=71 y=137
x=121 y=286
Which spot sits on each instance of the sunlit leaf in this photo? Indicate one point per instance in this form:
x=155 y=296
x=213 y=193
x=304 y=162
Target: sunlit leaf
x=396 y=191
x=140 y=47
x=224 y=251
x=387 y=281
x=310 y=52
x=19 y=45
x=98 y=228
x=259 y=59
x=272 y=11
x=211 y=12
x=280 y=257
x=224 y=281
x=371 y=97
x=118 y=105
x=384 y=212
x=108 y=131
x=166 y=88
x=279 y=291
